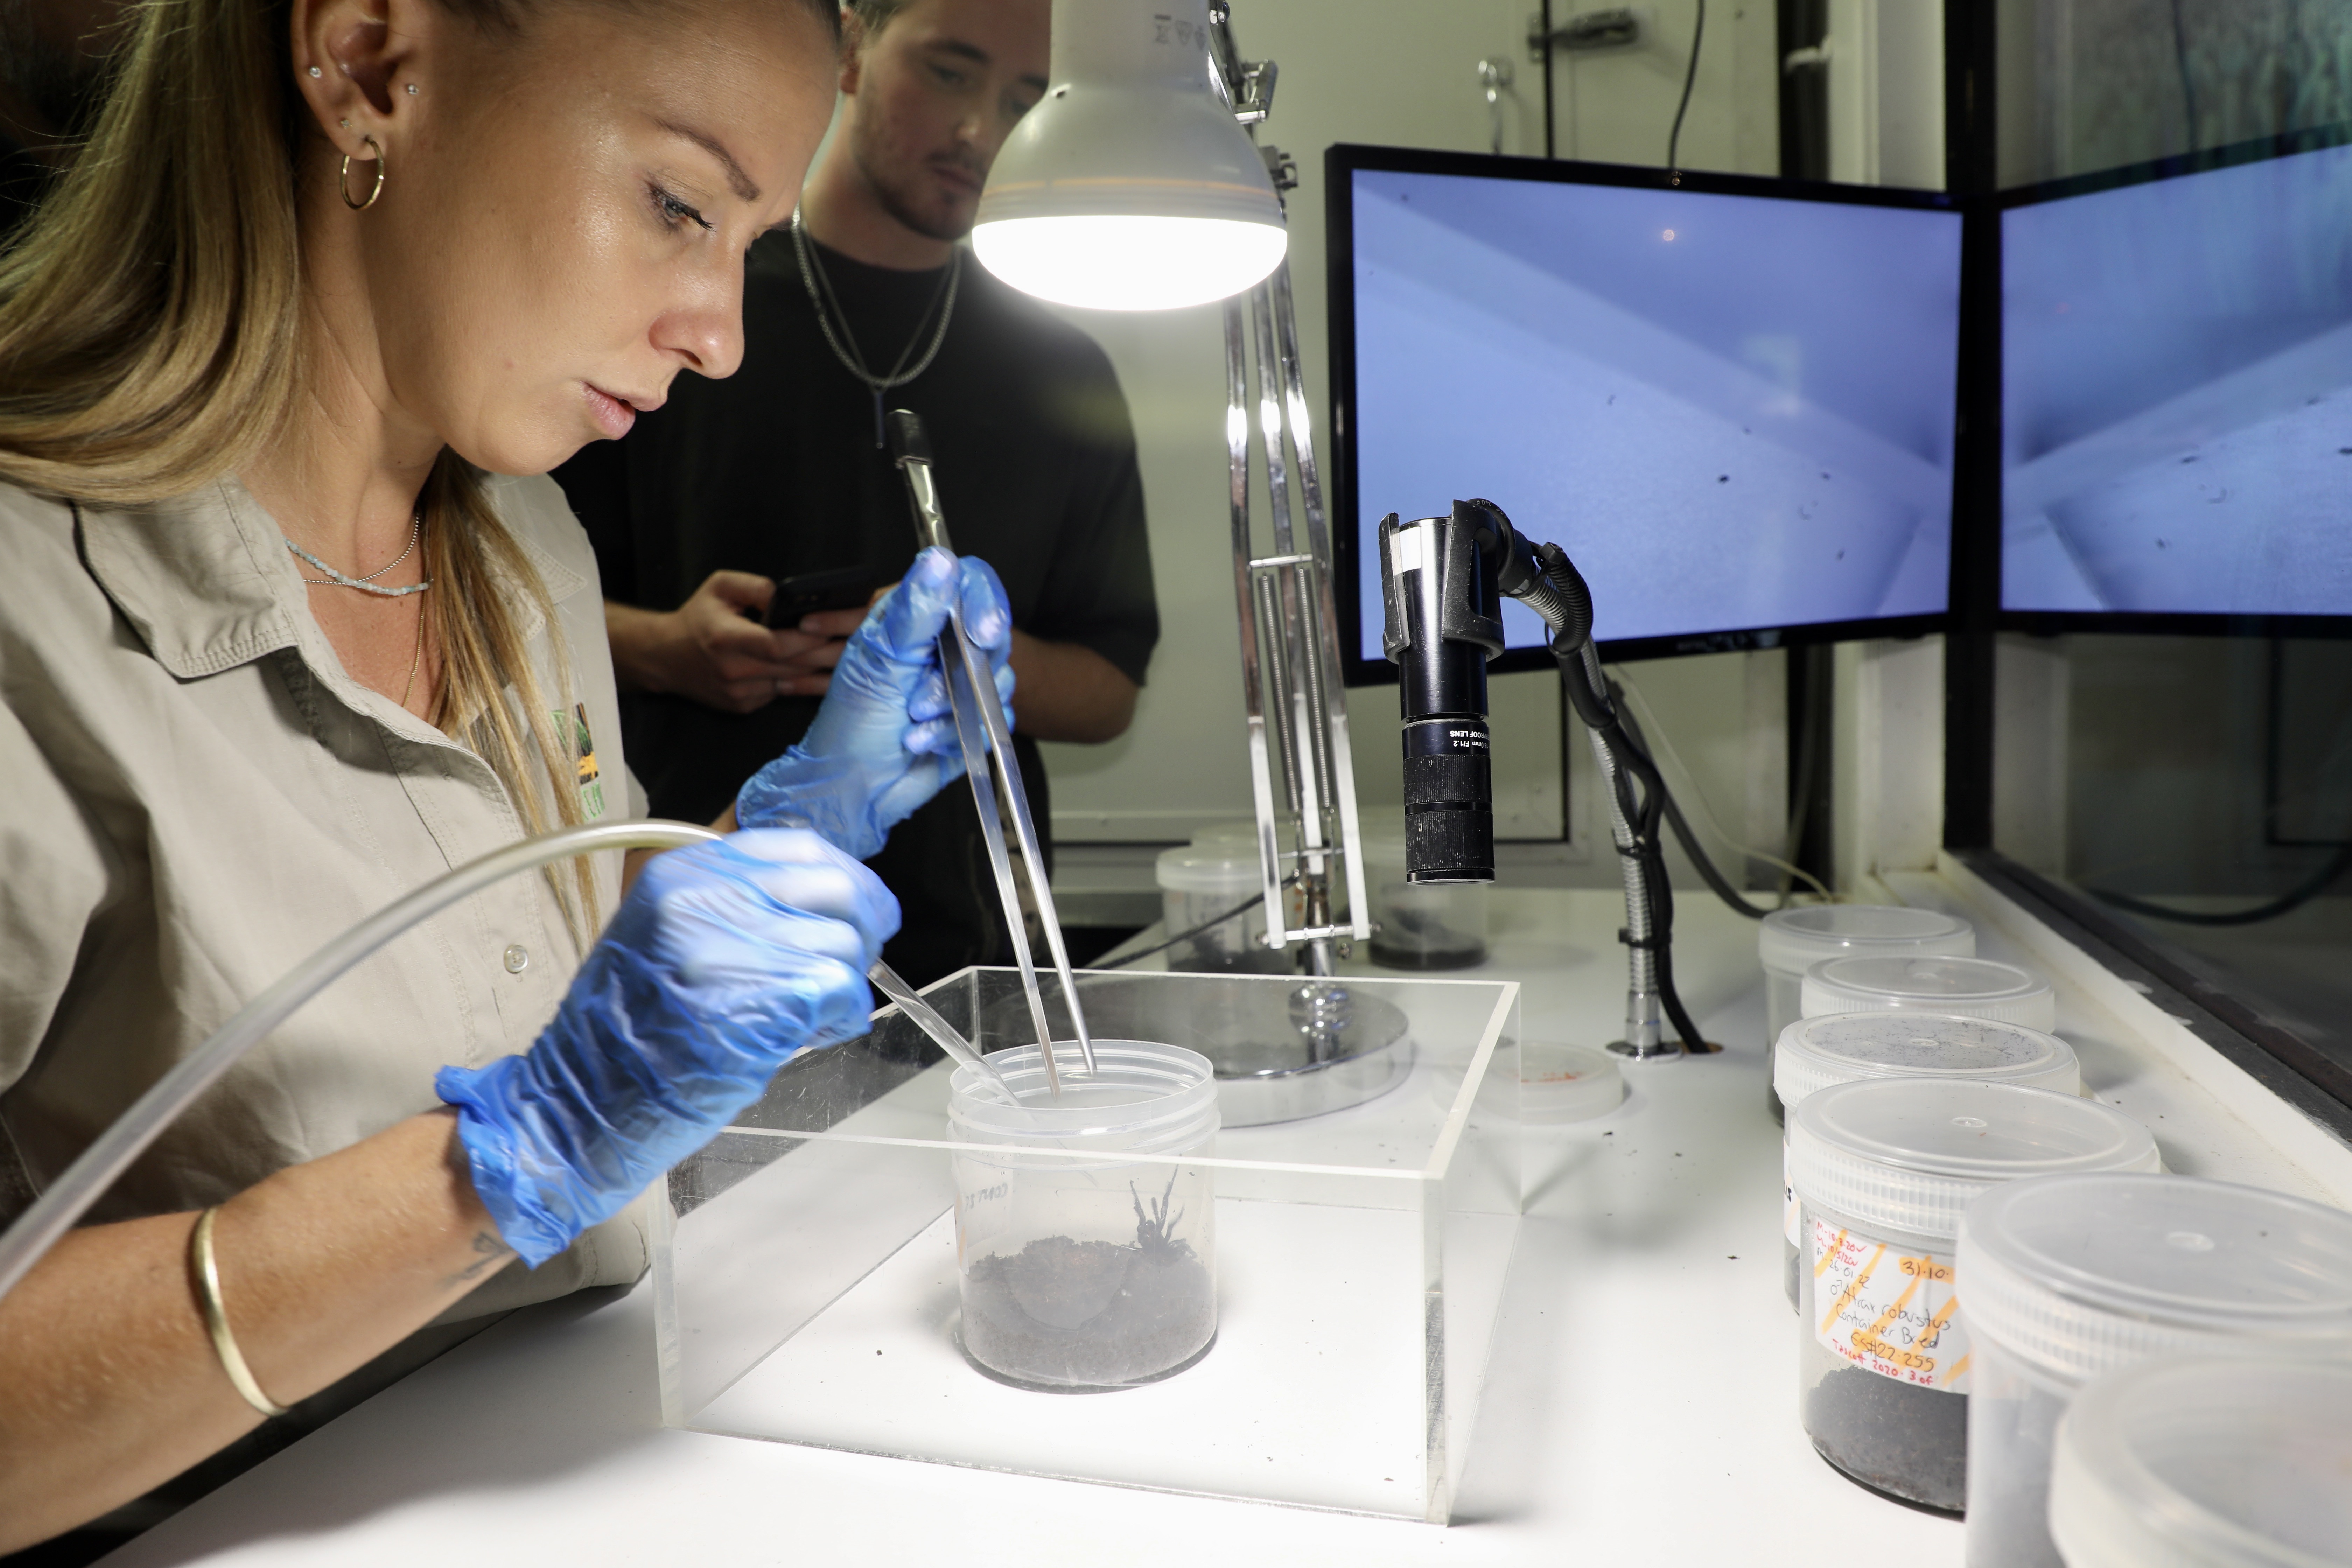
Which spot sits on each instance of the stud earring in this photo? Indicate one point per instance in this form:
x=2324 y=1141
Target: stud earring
x=412 y=89
x=314 y=70
x=344 y=123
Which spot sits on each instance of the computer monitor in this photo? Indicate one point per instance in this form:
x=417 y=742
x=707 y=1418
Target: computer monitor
x=2177 y=394
x=1731 y=399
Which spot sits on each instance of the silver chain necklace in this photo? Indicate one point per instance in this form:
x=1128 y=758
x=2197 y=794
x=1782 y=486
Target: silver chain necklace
x=821 y=296
x=334 y=579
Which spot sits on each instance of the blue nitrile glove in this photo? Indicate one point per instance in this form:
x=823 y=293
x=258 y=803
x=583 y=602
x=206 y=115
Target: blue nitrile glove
x=724 y=961
x=885 y=742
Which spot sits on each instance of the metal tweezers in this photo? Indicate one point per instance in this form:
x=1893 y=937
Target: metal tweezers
x=982 y=730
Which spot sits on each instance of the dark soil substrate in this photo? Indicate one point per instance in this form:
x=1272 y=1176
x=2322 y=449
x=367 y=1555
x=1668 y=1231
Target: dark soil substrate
x=1416 y=958
x=1088 y=1312
x=1896 y=1437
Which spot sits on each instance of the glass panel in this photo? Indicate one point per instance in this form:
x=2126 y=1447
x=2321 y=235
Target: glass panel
x=807 y=1273
x=2098 y=84
x=2198 y=789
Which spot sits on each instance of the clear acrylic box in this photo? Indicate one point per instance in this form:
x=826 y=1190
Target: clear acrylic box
x=805 y=1274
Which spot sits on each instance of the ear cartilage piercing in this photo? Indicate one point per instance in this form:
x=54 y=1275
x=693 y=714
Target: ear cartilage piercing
x=314 y=70
x=412 y=89
x=344 y=123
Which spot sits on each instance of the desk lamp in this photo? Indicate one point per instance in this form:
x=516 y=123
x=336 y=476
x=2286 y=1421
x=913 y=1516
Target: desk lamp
x=1134 y=185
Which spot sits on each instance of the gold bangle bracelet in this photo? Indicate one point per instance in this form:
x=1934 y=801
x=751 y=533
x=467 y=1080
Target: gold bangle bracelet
x=206 y=1270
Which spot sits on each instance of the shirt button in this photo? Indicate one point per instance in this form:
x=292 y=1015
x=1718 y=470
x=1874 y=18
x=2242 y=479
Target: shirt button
x=518 y=959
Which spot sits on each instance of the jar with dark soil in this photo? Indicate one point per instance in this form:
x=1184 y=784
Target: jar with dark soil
x=1882 y=1368
x=1883 y=1170
x=1088 y=1272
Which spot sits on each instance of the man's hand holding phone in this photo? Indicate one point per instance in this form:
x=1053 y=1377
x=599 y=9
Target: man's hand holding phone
x=714 y=650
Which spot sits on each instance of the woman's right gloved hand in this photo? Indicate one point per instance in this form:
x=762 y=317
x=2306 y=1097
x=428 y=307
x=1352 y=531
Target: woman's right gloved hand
x=884 y=740
x=724 y=961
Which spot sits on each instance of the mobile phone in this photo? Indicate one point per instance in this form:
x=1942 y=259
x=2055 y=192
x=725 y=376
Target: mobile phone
x=844 y=588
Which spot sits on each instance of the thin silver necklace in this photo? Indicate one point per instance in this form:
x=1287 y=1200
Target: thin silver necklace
x=821 y=296
x=334 y=579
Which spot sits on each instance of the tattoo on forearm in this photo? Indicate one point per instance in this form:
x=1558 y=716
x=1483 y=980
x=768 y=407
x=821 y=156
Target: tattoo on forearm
x=492 y=1252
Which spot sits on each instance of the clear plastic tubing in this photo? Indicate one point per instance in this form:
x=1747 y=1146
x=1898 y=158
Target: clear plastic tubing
x=1971 y=988
x=1087 y=1247
x=2207 y=1462
x=39 y=1228
x=1884 y=1168
x=2070 y=1278
x=1794 y=940
x=1432 y=925
x=1840 y=1048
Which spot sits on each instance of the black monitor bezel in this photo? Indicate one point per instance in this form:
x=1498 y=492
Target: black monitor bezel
x=2128 y=623
x=1340 y=163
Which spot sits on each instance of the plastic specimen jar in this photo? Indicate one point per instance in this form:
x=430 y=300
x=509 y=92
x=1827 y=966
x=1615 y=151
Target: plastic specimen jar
x=2207 y=1462
x=1884 y=1168
x=2072 y=1277
x=1839 y=1048
x=1086 y=1272
x=1199 y=882
x=1971 y=988
x=1794 y=940
x=1423 y=925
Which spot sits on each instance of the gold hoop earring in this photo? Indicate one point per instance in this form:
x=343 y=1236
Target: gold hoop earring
x=344 y=181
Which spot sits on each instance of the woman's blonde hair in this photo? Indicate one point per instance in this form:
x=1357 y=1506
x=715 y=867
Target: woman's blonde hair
x=152 y=341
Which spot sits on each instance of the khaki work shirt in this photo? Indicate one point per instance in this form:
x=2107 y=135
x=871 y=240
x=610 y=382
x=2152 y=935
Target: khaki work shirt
x=198 y=797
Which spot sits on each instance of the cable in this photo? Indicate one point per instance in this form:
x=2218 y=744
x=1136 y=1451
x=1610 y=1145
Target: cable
x=1205 y=926
x=1707 y=869
x=2181 y=62
x=1543 y=578
x=1642 y=816
x=2293 y=898
x=1625 y=680
x=1690 y=75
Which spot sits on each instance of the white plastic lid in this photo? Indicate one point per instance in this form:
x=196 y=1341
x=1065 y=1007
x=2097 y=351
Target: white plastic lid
x=1910 y=1153
x=1973 y=987
x=1794 y=940
x=2078 y=1274
x=2207 y=1462
x=1226 y=865
x=1561 y=1083
x=1839 y=1048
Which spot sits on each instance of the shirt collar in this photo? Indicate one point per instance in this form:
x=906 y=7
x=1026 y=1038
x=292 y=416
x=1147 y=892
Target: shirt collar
x=204 y=579
x=208 y=583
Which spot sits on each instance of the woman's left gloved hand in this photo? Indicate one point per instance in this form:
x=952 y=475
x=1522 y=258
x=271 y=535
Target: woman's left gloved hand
x=885 y=742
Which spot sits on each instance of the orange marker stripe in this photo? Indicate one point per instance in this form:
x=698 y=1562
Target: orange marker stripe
x=1860 y=1282
x=1830 y=1257
x=1959 y=1367
x=1900 y=1302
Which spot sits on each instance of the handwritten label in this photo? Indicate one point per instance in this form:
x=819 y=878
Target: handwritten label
x=1888 y=1308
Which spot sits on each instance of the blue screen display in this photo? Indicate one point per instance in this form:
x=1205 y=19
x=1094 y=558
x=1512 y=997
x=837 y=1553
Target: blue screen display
x=2177 y=394
x=1736 y=413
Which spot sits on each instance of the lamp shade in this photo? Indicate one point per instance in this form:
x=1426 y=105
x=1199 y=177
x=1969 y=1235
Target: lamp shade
x=1129 y=187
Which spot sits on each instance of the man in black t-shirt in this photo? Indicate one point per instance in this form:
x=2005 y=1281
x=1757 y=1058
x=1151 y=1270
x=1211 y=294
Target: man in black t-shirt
x=778 y=472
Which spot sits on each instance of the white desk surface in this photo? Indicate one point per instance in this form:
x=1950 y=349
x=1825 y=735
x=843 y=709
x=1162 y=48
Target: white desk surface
x=1640 y=1405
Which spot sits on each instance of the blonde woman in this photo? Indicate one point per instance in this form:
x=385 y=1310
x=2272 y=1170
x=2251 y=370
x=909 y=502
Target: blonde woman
x=277 y=646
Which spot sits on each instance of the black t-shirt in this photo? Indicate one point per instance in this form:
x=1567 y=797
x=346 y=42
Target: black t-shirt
x=776 y=470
